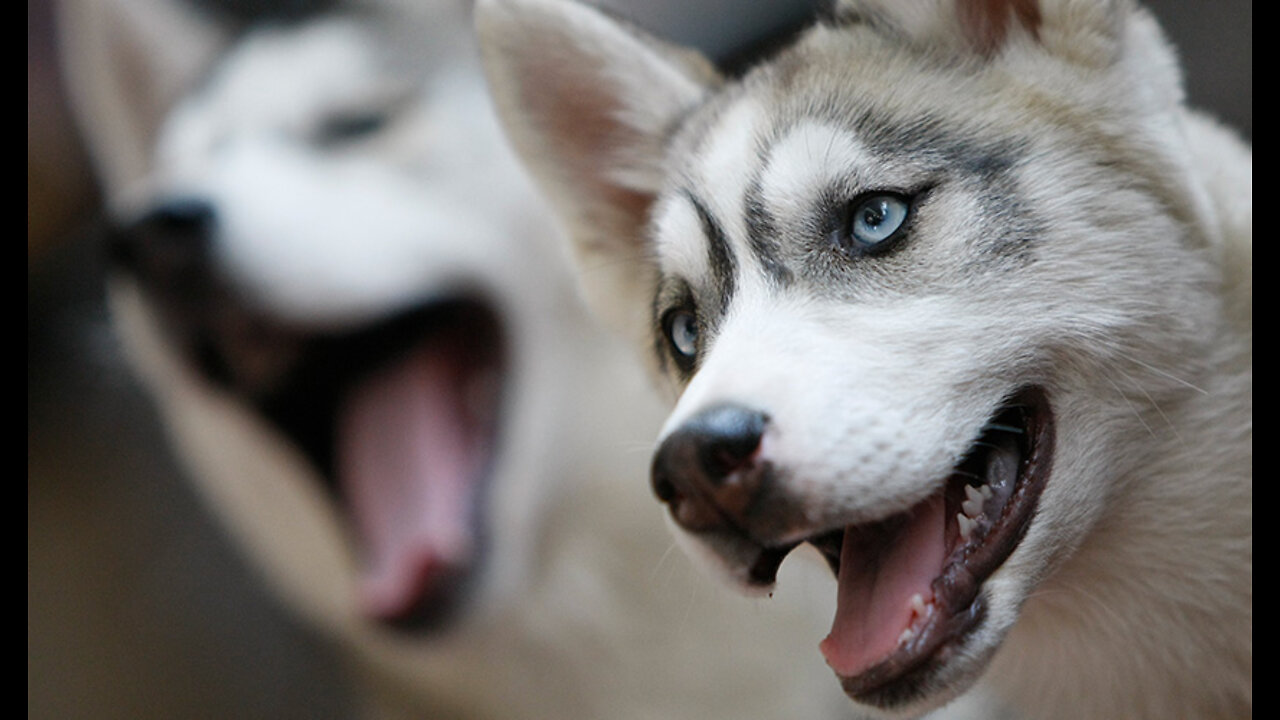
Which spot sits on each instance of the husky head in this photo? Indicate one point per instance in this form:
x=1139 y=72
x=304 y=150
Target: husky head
x=352 y=349
x=915 y=281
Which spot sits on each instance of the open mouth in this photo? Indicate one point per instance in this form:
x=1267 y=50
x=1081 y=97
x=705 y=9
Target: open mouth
x=909 y=586
x=401 y=419
x=398 y=416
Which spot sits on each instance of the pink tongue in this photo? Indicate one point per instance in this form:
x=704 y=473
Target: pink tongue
x=406 y=454
x=873 y=602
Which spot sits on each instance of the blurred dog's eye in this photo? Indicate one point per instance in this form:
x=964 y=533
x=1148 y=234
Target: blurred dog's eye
x=347 y=128
x=872 y=223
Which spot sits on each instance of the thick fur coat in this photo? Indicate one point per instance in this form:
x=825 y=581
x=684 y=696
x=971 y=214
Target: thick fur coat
x=958 y=292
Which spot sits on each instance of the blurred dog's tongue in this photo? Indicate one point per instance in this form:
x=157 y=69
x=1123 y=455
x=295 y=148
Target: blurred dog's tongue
x=406 y=459
x=879 y=573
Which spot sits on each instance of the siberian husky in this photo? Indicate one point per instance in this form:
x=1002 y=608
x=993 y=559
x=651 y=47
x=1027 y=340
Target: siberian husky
x=959 y=293
x=349 y=307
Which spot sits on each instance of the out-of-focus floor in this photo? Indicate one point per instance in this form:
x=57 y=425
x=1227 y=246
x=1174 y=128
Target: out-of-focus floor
x=137 y=607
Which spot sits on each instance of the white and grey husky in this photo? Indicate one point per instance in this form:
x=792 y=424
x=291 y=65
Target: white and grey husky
x=959 y=293
x=349 y=306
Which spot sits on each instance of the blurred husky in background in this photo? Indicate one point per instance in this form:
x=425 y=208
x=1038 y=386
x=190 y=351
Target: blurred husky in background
x=354 y=319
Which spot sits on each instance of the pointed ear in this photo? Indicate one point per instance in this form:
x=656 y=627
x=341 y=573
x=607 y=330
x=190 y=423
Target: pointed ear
x=126 y=63
x=1083 y=31
x=588 y=103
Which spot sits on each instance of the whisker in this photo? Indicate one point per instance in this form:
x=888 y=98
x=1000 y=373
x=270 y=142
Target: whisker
x=1153 y=403
x=657 y=567
x=1132 y=407
x=1164 y=374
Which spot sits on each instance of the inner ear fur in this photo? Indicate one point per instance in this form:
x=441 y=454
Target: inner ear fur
x=589 y=102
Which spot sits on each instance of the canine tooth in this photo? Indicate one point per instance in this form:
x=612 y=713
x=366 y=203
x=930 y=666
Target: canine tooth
x=966 y=525
x=973 y=501
x=986 y=492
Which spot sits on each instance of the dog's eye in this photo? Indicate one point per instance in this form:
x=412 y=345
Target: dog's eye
x=873 y=222
x=351 y=127
x=681 y=327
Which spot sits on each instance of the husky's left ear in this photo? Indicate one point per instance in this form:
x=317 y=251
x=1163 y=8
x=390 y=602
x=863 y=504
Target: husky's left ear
x=127 y=62
x=588 y=103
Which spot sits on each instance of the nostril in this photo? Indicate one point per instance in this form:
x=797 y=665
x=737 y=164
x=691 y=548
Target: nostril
x=172 y=239
x=663 y=489
x=191 y=215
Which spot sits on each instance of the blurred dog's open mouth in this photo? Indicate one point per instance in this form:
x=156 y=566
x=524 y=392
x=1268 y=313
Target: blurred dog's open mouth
x=399 y=415
x=401 y=418
x=909 y=586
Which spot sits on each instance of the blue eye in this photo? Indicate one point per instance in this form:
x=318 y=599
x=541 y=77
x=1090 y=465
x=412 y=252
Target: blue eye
x=873 y=222
x=682 y=331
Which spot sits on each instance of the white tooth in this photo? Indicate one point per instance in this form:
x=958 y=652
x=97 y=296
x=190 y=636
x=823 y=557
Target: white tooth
x=973 y=501
x=917 y=605
x=972 y=507
x=986 y=492
x=906 y=636
x=966 y=525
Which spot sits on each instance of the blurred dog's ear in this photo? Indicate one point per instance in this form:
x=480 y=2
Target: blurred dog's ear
x=126 y=63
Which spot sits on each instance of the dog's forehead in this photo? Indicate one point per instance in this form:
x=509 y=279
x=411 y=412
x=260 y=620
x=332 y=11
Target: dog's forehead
x=718 y=156
x=792 y=132
x=266 y=80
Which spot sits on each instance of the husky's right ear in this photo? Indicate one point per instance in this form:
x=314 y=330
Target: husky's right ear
x=1086 y=32
x=126 y=63
x=588 y=103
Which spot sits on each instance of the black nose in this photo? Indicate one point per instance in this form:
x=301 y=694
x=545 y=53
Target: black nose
x=168 y=245
x=706 y=470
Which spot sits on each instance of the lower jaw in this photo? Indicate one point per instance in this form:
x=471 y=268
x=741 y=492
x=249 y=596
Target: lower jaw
x=929 y=678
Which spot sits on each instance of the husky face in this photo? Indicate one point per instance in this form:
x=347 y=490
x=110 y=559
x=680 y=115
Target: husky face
x=349 y=347
x=910 y=281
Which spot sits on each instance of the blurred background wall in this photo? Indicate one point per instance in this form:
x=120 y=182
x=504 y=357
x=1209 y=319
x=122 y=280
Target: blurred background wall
x=137 y=607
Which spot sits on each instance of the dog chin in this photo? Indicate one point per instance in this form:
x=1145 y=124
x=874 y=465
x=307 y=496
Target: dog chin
x=728 y=557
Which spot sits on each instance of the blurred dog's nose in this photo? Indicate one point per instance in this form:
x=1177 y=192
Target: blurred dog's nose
x=706 y=470
x=170 y=243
